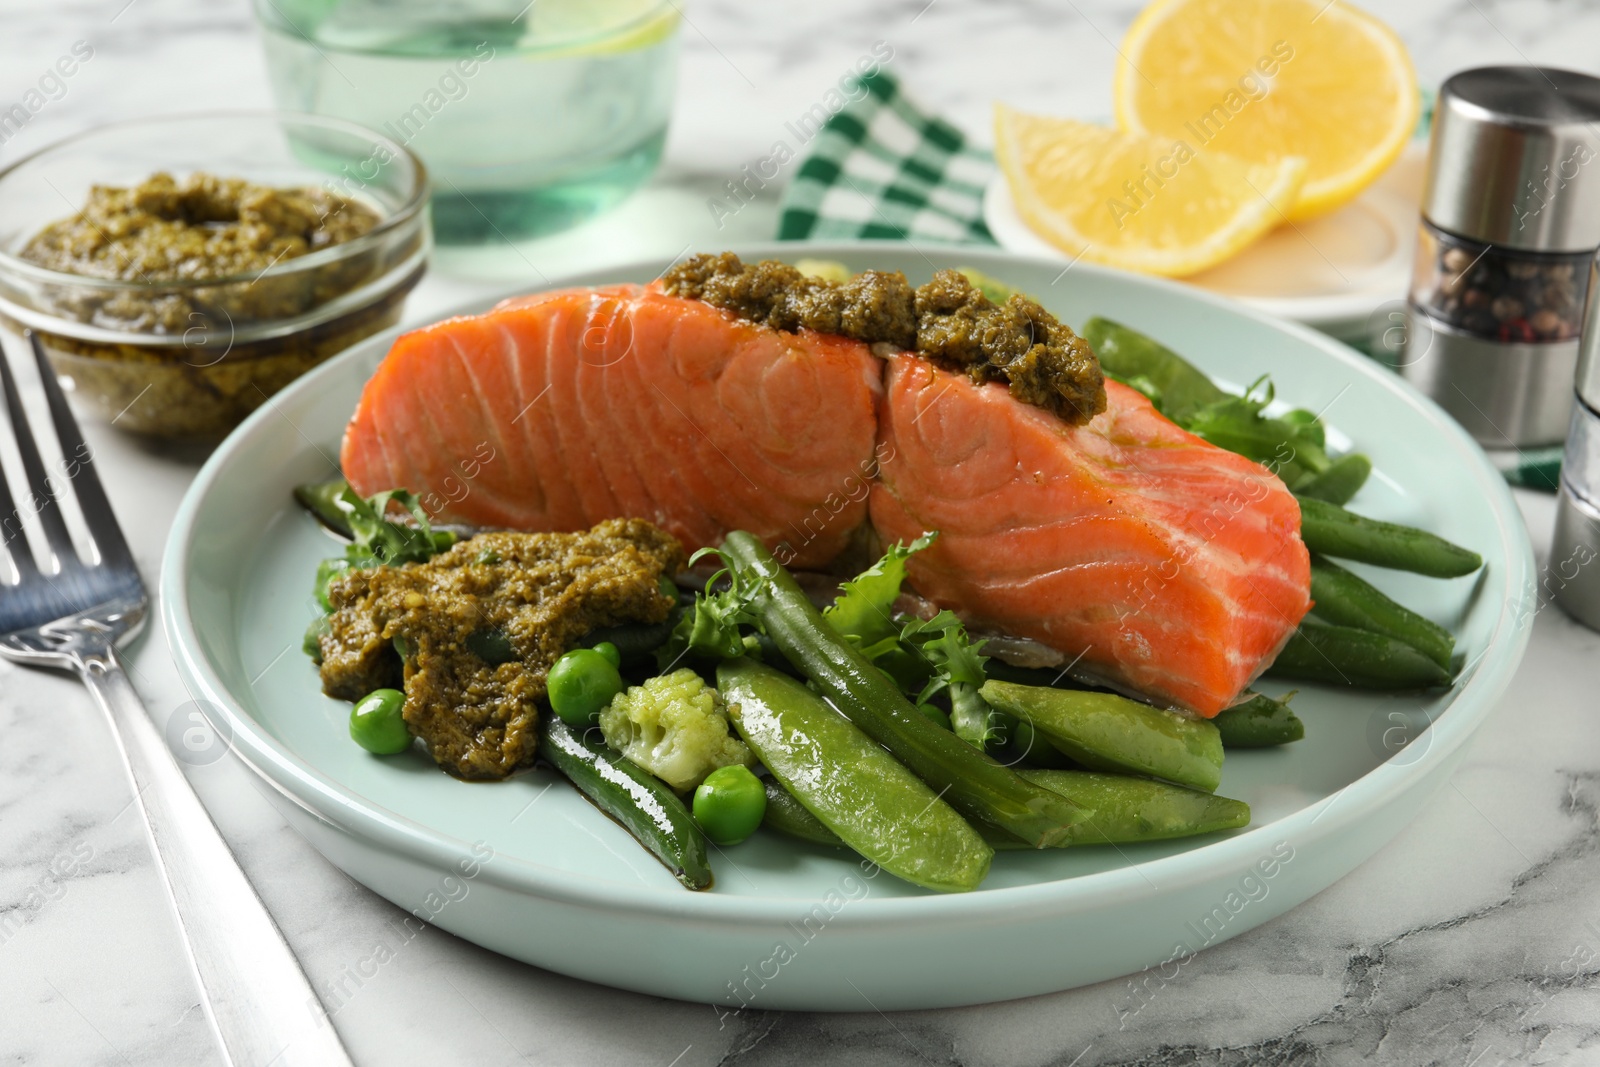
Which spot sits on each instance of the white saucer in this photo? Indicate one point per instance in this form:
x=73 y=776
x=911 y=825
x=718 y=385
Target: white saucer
x=1332 y=273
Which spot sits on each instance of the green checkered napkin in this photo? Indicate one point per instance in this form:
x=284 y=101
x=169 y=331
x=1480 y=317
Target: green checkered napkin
x=882 y=167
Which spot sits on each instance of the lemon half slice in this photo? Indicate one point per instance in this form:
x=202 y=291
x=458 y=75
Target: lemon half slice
x=1266 y=79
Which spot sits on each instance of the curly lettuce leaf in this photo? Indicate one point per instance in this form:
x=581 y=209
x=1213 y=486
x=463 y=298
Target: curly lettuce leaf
x=712 y=627
x=375 y=540
x=956 y=668
x=863 y=610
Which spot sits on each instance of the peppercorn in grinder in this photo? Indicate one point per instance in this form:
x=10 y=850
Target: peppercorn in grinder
x=1510 y=222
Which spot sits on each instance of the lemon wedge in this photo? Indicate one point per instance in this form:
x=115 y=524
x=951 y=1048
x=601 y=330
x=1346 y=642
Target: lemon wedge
x=1144 y=203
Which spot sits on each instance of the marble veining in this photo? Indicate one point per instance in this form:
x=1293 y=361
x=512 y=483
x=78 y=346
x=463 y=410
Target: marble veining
x=1473 y=939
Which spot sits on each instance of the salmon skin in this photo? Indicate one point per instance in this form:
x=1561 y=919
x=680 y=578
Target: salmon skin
x=1165 y=565
x=1151 y=560
x=557 y=411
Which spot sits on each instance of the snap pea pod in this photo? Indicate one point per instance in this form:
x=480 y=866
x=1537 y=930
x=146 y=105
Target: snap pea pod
x=322 y=500
x=971 y=782
x=1124 y=810
x=1259 y=722
x=1343 y=655
x=1106 y=732
x=645 y=806
x=1342 y=480
x=788 y=816
x=1126 y=354
x=854 y=788
x=1344 y=599
x=1330 y=530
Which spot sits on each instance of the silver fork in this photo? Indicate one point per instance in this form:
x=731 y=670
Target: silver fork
x=72 y=616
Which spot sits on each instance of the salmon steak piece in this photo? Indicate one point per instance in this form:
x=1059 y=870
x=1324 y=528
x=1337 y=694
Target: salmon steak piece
x=1158 y=563
x=560 y=410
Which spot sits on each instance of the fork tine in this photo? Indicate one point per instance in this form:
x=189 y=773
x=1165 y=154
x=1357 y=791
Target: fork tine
x=41 y=499
x=13 y=541
x=97 y=513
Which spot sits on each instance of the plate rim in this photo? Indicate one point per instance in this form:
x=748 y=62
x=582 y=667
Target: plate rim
x=1338 y=311
x=334 y=804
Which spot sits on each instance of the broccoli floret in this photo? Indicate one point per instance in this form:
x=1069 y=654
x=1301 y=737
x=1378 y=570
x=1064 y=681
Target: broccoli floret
x=673 y=726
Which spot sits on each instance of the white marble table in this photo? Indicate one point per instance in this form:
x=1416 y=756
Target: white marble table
x=1472 y=939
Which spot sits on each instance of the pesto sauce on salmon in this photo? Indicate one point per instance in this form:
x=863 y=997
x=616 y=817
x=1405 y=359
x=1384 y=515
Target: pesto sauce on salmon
x=948 y=321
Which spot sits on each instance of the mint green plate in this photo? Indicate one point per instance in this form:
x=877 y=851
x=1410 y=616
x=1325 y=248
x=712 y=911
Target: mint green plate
x=528 y=868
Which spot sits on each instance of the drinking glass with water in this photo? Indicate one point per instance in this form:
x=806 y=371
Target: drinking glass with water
x=530 y=116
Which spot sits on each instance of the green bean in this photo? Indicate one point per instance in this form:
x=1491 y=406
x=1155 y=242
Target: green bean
x=1343 y=655
x=322 y=500
x=1332 y=531
x=1259 y=722
x=645 y=805
x=1340 y=481
x=491 y=645
x=1125 y=810
x=970 y=781
x=327 y=571
x=844 y=778
x=635 y=641
x=311 y=643
x=1050 y=677
x=1125 y=353
x=1026 y=747
x=1106 y=732
x=1344 y=599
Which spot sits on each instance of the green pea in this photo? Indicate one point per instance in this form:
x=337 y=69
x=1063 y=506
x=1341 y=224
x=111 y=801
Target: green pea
x=935 y=714
x=377 y=725
x=730 y=804
x=610 y=652
x=581 y=683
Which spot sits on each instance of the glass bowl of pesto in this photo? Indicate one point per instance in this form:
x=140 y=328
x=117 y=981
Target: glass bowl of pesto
x=181 y=269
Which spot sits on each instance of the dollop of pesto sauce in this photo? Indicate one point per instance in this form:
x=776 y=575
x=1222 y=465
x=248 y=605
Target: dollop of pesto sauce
x=948 y=321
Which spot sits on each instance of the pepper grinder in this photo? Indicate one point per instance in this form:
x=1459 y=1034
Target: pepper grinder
x=1573 y=576
x=1510 y=221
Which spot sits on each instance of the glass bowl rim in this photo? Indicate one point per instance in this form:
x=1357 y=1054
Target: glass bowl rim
x=402 y=216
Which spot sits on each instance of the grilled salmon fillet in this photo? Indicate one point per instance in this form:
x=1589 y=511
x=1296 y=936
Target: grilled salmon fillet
x=557 y=411
x=1151 y=560
x=1159 y=563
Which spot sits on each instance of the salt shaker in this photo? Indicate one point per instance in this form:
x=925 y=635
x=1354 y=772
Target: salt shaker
x=1510 y=222
x=1573 y=576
